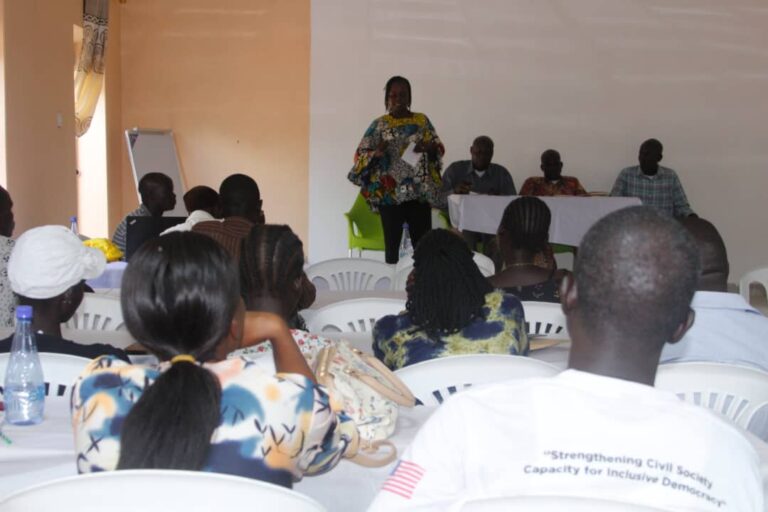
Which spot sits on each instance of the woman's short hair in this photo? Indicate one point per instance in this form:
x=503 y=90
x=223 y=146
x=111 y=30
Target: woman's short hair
x=448 y=289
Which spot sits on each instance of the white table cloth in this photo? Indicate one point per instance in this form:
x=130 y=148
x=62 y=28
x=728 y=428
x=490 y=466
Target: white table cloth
x=46 y=451
x=111 y=277
x=571 y=216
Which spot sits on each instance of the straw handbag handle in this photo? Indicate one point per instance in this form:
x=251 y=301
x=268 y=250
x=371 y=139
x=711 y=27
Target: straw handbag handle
x=398 y=392
x=370 y=461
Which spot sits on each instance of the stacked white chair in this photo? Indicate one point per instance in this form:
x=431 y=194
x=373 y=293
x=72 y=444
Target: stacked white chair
x=97 y=313
x=758 y=275
x=432 y=381
x=155 y=490
x=354 y=316
x=736 y=392
x=545 y=319
x=59 y=371
x=350 y=274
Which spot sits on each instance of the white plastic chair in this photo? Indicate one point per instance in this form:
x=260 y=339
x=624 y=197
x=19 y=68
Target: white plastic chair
x=545 y=319
x=431 y=382
x=400 y=279
x=350 y=274
x=758 y=275
x=404 y=262
x=405 y=265
x=484 y=263
x=355 y=315
x=155 y=490
x=59 y=371
x=552 y=504
x=735 y=392
x=99 y=313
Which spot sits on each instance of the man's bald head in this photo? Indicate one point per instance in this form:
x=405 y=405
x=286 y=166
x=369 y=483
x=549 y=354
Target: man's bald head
x=714 y=257
x=482 y=152
x=635 y=276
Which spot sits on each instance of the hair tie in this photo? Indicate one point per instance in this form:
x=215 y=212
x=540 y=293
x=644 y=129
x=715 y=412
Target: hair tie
x=186 y=358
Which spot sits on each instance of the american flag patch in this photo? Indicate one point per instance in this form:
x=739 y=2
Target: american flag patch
x=403 y=479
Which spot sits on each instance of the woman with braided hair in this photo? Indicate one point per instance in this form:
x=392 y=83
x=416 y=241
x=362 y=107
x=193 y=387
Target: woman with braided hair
x=272 y=279
x=523 y=237
x=451 y=309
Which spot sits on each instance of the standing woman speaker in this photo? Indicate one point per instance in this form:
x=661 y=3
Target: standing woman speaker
x=397 y=166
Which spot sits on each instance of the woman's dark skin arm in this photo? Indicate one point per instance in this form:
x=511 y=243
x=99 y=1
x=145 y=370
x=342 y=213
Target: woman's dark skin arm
x=260 y=326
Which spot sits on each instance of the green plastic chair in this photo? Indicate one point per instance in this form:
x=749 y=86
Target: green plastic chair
x=364 y=228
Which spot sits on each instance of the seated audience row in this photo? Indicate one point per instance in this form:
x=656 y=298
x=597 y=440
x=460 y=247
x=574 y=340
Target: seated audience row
x=599 y=429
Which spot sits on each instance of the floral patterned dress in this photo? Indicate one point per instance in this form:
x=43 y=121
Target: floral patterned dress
x=387 y=179
x=397 y=342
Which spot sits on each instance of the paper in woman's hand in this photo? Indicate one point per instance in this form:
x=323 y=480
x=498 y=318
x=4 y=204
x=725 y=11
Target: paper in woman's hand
x=410 y=156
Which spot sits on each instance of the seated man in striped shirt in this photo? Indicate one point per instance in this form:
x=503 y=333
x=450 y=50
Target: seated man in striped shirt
x=157 y=197
x=653 y=184
x=240 y=207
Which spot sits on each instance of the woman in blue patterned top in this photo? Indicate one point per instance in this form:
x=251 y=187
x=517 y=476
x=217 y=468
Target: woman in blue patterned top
x=451 y=309
x=194 y=410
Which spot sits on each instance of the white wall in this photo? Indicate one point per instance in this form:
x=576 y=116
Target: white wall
x=591 y=78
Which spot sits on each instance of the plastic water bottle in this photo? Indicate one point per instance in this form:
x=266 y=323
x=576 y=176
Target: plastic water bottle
x=73 y=225
x=406 y=248
x=24 y=389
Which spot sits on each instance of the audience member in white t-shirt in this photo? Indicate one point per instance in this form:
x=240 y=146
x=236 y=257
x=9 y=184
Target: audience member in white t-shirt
x=727 y=328
x=599 y=429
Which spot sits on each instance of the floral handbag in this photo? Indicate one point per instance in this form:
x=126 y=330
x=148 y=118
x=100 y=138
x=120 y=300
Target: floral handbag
x=369 y=393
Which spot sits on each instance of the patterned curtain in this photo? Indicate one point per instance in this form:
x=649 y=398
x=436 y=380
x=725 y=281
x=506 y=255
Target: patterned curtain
x=89 y=76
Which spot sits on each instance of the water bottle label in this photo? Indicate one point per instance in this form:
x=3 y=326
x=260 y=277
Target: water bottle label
x=24 y=404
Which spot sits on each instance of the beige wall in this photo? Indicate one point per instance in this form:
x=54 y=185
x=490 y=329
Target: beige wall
x=231 y=79
x=40 y=156
x=3 y=176
x=113 y=88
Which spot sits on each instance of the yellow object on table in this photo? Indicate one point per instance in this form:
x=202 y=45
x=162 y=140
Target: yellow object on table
x=110 y=250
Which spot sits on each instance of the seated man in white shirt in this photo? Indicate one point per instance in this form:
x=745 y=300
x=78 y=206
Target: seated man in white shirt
x=599 y=429
x=202 y=204
x=727 y=328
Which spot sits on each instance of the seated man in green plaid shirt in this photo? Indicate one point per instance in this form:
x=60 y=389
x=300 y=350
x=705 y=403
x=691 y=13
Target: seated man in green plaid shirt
x=655 y=185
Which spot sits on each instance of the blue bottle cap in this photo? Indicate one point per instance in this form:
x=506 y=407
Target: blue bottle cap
x=73 y=218
x=24 y=312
